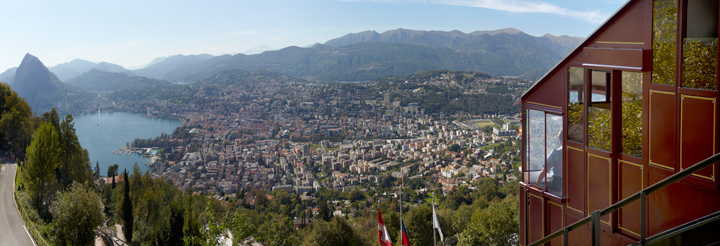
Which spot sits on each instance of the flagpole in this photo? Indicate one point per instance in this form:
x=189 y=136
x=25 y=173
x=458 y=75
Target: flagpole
x=433 y=220
x=401 y=221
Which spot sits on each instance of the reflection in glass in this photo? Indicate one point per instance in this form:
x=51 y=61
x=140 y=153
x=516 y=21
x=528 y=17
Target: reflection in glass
x=632 y=113
x=576 y=95
x=535 y=144
x=553 y=150
x=700 y=63
x=663 y=46
x=599 y=121
x=600 y=88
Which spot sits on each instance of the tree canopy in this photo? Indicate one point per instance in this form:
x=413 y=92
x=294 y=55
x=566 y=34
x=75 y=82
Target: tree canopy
x=76 y=214
x=43 y=157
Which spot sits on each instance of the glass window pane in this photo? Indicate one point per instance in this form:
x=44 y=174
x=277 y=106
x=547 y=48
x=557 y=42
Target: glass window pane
x=535 y=144
x=576 y=94
x=599 y=128
x=699 y=58
x=600 y=88
x=599 y=121
x=664 y=33
x=632 y=113
x=553 y=150
x=700 y=63
x=702 y=19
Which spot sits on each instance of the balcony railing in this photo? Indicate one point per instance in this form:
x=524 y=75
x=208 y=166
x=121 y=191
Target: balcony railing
x=594 y=218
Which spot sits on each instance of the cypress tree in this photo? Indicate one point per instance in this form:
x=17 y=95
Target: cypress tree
x=97 y=169
x=127 y=210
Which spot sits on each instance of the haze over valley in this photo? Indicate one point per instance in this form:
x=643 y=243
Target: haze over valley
x=336 y=119
x=362 y=56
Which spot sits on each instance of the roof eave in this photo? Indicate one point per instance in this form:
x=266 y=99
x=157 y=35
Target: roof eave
x=578 y=48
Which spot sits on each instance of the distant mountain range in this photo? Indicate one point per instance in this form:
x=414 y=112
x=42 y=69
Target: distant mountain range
x=100 y=81
x=72 y=69
x=8 y=75
x=160 y=68
x=78 y=67
x=369 y=55
x=257 y=50
x=362 y=56
x=452 y=40
x=354 y=57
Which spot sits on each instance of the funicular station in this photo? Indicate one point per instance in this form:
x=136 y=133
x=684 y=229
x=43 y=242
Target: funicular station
x=621 y=136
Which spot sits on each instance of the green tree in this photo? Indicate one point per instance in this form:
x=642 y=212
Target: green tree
x=76 y=214
x=127 y=208
x=177 y=220
x=496 y=225
x=298 y=209
x=75 y=165
x=97 y=169
x=324 y=210
x=277 y=231
x=454 y=147
x=356 y=195
x=366 y=228
x=336 y=232
x=112 y=171
x=213 y=233
x=74 y=161
x=42 y=159
x=418 y=225
x=191 y=228
x=261 y=201
x=16 y=121
x=241 y=227
x=461 y=218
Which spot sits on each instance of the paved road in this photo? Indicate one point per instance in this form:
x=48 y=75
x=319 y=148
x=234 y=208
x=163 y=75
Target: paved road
x=12 y=230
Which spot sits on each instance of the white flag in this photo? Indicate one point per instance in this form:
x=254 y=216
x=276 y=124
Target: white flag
x=436 y=223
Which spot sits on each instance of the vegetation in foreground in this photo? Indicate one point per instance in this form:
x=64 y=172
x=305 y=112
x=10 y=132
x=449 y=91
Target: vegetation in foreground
x=60 y=200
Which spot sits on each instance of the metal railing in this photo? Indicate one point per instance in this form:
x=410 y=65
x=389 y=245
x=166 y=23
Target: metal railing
x=23 y=214
x=594 y=218
x=34 y=231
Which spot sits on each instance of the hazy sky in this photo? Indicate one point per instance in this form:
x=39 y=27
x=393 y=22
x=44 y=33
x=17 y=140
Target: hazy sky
x=131 y=33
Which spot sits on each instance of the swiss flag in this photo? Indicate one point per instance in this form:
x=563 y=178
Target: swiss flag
x=384 y=237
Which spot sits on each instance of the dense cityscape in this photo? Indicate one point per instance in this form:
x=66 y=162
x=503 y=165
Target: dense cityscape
x=290 y=138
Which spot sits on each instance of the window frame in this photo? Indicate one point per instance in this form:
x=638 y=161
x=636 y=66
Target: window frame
x=528 y=178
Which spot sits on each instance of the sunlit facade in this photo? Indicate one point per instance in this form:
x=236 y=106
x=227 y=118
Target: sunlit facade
x=635 y=103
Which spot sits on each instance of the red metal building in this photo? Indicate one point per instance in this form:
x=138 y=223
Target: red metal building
x=635 y=103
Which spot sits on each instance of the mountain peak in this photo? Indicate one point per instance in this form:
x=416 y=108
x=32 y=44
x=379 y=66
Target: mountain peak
x=30 y=59
x=43 y=90
x=351 y=38
x=32 y=69
x=509 y=30
x=32 y=78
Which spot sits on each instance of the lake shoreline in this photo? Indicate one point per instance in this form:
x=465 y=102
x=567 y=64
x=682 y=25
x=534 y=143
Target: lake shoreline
x=102 y=133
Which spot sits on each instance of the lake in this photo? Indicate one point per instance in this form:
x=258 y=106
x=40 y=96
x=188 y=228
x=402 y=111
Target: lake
x=102 y=133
